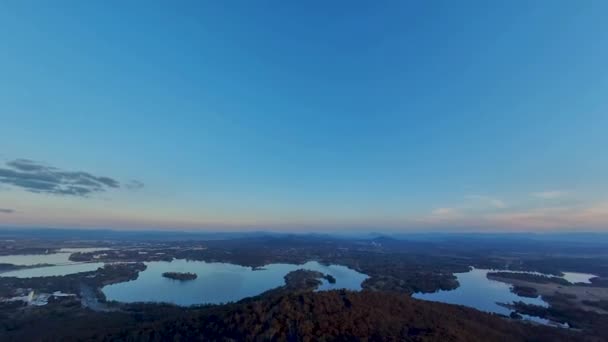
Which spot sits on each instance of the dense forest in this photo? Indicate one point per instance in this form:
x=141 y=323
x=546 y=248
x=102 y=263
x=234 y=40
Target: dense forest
x=304 y=316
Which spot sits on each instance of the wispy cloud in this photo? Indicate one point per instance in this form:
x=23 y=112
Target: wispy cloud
x=134 y=185
x=472 y=208
x=439 y=216
x=590 y=216
x=38 y=177
x=445 y=212
x=559 y=212
x=487 y=201
x=6 y=211
x=553 y=194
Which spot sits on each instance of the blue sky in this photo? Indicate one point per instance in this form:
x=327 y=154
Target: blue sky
x=394 y=115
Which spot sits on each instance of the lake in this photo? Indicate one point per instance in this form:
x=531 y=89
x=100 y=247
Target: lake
x=60 y=261
x=575 y=277
x=571 y=277
x=481 y=293
x=58 y=270
x=60 y=258
x=219 y=282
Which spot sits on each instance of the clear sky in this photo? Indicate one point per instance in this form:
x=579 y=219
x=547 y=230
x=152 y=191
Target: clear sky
x=304 y=115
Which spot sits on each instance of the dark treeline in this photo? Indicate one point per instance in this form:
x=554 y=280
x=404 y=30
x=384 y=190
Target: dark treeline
x=304 y=316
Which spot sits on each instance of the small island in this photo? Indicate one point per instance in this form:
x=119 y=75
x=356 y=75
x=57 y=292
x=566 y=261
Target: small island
x=525 y=291
x=180 y=276
x=306 y=280
x=302 y=280
x=509 y=277
x=330 y=279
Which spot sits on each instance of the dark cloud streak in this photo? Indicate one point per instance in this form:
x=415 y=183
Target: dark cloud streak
x=25 y=165
x=37 y=177
x=6 y=211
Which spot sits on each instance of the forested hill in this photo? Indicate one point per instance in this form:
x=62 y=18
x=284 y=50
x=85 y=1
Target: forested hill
x=343 y=316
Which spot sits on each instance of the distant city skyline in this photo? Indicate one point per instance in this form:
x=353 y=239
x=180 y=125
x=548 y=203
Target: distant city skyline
x=294 y=117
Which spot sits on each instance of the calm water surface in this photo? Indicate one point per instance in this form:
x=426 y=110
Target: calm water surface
x=60 y=261
x=49 y=271
x=219 y=282
x=481 y=293
x=484 y=294
x=35 y=259
x=571 y=277
x=59 y=258
x=575 y=277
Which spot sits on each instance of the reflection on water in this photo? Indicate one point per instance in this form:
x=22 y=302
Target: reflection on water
x=49 y=271
x=59 y=258
x=575 y=277
x=83 y=250
x=218 y=282
x=35 y=259
x=571 y=277
x=484 y=294
x=60 y=261
x=481 y=293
